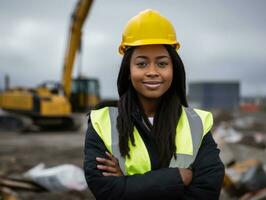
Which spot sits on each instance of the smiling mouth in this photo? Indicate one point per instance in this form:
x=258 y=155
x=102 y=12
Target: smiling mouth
x=153 y=84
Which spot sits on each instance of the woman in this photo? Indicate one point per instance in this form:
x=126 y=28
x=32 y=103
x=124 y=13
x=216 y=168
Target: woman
x=150 y=144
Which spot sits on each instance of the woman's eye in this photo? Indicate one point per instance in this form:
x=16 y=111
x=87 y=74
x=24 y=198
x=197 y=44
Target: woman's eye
x=162 y=64
x=141 y=64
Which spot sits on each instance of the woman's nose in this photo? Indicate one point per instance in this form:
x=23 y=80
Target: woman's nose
x=152 y=71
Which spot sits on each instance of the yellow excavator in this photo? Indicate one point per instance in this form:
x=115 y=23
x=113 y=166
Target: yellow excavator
x=53 y=104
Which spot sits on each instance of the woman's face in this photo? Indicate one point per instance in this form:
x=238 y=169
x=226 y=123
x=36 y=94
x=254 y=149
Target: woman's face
x=151 y=71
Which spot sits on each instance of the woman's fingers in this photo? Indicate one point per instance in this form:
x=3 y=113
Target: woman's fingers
x=109 y=174
x=109 y=165
x=111 y=157
x=106 y=162
x=107 y=168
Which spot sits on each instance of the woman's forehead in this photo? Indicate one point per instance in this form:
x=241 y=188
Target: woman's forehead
x=150 y=51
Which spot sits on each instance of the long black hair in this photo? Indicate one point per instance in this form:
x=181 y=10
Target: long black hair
x=166 y=116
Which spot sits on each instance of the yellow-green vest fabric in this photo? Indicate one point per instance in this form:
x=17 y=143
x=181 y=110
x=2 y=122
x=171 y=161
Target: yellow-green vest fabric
x=191 y=128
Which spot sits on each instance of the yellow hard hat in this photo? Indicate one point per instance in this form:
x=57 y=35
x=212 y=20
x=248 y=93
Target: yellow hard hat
x=148 y=27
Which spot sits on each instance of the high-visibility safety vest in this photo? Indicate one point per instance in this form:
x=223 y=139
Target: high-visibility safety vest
x=191 y=128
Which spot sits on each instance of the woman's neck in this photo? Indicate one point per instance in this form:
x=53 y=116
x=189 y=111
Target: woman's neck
x=149 y=106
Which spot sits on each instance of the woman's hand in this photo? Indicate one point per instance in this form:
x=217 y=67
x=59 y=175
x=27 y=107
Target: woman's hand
x=186 y=175
x=109 y=166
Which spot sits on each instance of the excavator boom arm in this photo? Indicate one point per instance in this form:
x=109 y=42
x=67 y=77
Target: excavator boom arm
x=74 y=39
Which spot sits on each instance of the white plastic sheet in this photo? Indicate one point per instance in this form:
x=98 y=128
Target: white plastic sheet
x=60 y=178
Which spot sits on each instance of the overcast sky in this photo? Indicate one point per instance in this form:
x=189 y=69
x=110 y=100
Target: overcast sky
x=220 y=40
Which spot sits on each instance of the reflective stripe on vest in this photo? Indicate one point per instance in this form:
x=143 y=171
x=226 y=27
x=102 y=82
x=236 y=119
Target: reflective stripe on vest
x=113 y=112
x=196 y=130
x=192 y=126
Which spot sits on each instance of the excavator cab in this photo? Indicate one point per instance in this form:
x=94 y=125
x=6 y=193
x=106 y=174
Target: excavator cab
x=84 y=94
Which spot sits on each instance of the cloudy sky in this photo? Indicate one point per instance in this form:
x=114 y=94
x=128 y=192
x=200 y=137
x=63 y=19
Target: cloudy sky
x=220 y=40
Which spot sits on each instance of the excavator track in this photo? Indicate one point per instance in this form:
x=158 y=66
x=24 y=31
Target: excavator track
x=14 y=122
x=22 y=123
x=57 y=123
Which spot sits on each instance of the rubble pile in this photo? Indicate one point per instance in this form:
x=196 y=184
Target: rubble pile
x=242 y=141
x=63 y=178
x=42 y=166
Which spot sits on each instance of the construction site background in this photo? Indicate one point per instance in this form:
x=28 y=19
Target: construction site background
x=241 y=136
x=224 y=42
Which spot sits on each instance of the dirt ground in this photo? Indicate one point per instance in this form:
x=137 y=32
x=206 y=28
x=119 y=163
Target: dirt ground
x=21 y=151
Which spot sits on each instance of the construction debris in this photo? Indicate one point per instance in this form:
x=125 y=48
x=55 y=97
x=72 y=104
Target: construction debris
x=245 y=176
x=60 y=178
x=226 y=133
x=7 y=194
x=242 y=141
x=21 y=152
x=9 y=186
x=19 y=184
x=258 y=195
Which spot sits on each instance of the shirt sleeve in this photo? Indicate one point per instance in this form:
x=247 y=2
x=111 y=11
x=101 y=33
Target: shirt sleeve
x=208 y=172
x=157 y=184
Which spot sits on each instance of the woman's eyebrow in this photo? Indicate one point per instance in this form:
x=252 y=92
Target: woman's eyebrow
x=145 y=57
x=159 y=57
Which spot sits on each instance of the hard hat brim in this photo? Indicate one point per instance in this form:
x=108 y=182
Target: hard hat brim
x=123 y=47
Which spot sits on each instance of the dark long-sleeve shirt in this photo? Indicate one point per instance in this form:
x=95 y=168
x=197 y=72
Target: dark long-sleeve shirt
x=159 y=183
